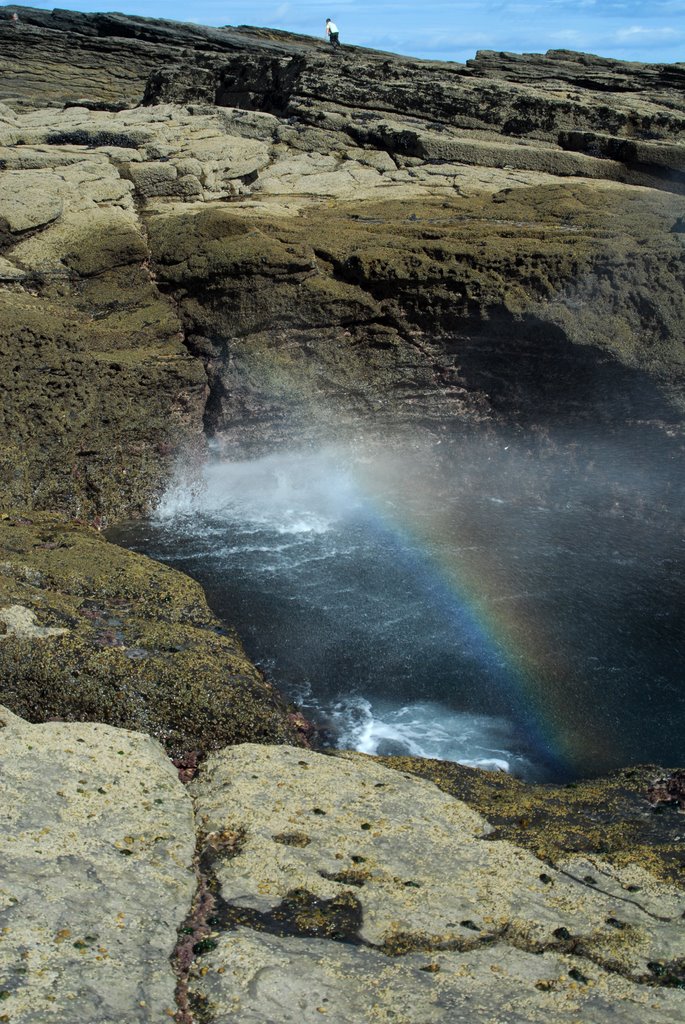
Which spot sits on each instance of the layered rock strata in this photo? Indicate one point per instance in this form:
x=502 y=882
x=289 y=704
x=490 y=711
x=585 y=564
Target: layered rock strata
x=439 y=245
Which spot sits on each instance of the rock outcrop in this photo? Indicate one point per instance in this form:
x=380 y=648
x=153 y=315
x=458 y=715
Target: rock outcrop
x=363 y=894
x=283 y=879
x=286 y=242
x=91 y=632
x=97 y=845
x=237 y=233
x=100 y=392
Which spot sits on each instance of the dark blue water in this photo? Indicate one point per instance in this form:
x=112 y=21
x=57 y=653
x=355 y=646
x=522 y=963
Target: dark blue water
x=504 y=603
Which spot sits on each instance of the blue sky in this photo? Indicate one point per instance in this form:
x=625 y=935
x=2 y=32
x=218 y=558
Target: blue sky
x=652 y=30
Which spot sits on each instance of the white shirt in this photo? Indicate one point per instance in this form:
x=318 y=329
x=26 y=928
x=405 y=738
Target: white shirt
x=331 y=27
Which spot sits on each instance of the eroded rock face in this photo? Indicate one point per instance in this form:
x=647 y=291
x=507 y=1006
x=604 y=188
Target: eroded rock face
x=428 y=309
x=99 y=391
x=97 y=844
x=366 y=894
x=265 y=253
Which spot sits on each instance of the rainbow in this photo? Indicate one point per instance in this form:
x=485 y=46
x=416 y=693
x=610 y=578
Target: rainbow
x=522 y=667
x=517 y=650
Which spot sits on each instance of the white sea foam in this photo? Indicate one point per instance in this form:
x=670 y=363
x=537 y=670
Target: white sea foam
x=428 y=730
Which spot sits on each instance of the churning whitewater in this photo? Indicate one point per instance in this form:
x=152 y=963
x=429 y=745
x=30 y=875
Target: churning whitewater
x=464 y=601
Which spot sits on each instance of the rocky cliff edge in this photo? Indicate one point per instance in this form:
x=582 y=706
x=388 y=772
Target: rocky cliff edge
x=236 y=232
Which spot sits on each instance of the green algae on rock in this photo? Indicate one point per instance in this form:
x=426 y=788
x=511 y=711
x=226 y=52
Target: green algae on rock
x=90 y=632
x=609 y=817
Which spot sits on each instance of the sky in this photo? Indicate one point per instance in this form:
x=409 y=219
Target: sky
x=642 y=30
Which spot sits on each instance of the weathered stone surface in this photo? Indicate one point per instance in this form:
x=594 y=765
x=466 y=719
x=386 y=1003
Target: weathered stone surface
x=96 y=843
x=25 y=204
x=311 y=912
x=90 y=632
x=252 y=978
x=610 y=816
x=417 y=902
x=289 y=74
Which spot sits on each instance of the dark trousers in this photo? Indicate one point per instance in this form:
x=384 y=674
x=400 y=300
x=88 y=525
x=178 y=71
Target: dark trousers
x=333 y=36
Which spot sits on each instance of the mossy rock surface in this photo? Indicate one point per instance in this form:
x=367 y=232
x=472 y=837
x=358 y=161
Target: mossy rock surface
x=432 y=309
x=90 y=632
x=100 y=395
x=609 y=817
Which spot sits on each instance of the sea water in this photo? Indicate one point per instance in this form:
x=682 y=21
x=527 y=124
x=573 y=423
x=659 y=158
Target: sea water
x=507 y=603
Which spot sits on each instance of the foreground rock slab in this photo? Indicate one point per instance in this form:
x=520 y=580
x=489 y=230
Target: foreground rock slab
x=266 y=978
x=96 y=845
x=367 y=895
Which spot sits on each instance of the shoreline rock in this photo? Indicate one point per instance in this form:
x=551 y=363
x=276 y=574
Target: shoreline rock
x=242 y=257
x=246 y=258
x=303 y=269
x=611 y=816
x=91 y=632
x=282 y=878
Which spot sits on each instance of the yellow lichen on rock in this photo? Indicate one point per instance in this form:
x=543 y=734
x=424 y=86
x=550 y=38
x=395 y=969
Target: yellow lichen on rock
x=93 y=632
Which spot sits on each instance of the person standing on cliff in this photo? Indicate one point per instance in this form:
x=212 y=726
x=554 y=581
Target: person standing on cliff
x=332 y=32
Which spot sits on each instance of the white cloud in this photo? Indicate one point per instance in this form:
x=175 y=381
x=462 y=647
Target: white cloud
x=643 y=34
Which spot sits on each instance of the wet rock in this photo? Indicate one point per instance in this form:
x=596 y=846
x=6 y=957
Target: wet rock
x=97 y=843
x=670 y=790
